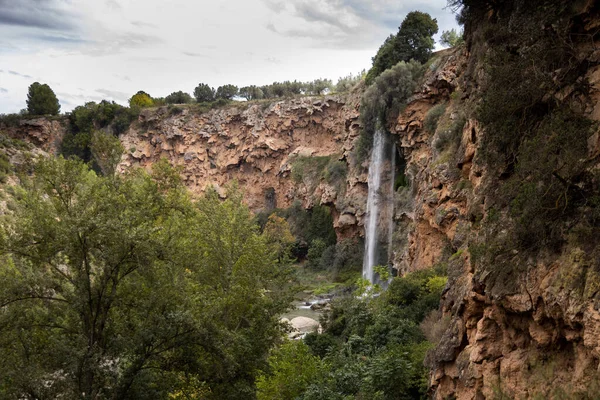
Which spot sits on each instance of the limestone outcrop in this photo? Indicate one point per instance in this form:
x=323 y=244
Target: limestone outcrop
x=256 y=146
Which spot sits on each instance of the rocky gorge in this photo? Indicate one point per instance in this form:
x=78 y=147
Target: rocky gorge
x=520 y=328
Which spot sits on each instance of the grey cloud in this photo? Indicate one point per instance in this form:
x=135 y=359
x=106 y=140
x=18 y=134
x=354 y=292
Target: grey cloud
x=192 y=54
x=117 y=43
x=276 y=6
x=273 y=60
x=114 y=94
x=2 y=90
x=44 y=14
x=353 y=23
x=311 y=13
x=63 y=39
x=142 y=24
x=19 y=74
x=113 y=4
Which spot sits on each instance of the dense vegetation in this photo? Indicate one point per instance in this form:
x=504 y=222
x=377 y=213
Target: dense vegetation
x=414 y=41
x=122 y=287
x=372 y=347
x=91 y=117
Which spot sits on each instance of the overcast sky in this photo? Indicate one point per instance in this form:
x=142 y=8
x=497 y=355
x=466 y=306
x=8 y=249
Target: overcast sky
x=89 y=50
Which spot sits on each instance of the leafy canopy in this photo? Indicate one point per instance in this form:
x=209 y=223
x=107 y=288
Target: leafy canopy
x=141 y=99
x=203 y=92
x=41 y=100
x=414 y=41
x=121 y=287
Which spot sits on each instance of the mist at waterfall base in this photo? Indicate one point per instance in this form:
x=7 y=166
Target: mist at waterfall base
x=379 y=222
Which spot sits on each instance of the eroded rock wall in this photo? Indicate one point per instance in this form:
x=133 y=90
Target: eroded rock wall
x=533 y=331
x=256 y=146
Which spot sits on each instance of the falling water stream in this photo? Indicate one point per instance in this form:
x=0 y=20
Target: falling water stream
x=379 y=204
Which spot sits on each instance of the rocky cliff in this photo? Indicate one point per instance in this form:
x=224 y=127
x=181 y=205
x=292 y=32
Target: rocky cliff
x=276 y=152
x=521 y=311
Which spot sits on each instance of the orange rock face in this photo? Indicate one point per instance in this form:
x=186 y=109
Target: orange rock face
x=256 y=147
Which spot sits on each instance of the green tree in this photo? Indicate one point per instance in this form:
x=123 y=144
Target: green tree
x=278 y=234
x=227 y=92
x=179 y=98
x=141 y=99
x=41 y=100
x=251 y=93
x=203 y=92
x=107 y=151
x=451 y=38
x=414 y=40
x=292 y=369
x=117 y=287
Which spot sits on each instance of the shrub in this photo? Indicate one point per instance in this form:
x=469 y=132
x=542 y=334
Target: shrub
x=383 y=100
x=335 y=171
x=433 y=116
x=141 y=99
x=179 y=98
x=292 y=369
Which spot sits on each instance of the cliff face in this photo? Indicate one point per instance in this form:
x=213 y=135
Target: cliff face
x=524 y=322
x=277 y=152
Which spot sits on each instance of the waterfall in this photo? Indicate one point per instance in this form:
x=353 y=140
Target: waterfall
x=379 y=201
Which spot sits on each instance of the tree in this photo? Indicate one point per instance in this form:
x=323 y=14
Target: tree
x=141 y=99
x=278 y=234
x=226 y=92
x=414 y=40
x=119 y=287
x=203 y=92
x=41 y=100
x=451 y=38
x=107 y=151
x=251 y=93
x=178 y=98
x=293 y=369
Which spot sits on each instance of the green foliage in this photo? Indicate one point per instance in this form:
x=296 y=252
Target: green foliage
x=414 y=41
x=536 y=136
x=383 y=100
x=41 y=100
x=204 y=93
x=85 y=120
x=448 y=137
x=179 y=98
x=373 y=348
x=315 y=252
x=5 y=167
x=227 y=92
x=122 y=287
x=107 y=151
x=141 y=99
x=292 y=369
x=433 y=116
x=451 y=38
x=347 y=83
x=251 y=93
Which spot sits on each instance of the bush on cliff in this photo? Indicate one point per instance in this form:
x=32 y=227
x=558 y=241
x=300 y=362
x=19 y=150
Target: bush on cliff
x=414 y=41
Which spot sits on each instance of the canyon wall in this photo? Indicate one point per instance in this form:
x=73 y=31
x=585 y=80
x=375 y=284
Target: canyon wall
x=524 y=321
x=277 y=152
x=521 y=328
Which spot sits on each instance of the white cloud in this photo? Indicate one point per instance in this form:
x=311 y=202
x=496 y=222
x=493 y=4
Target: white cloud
x=163 y=46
